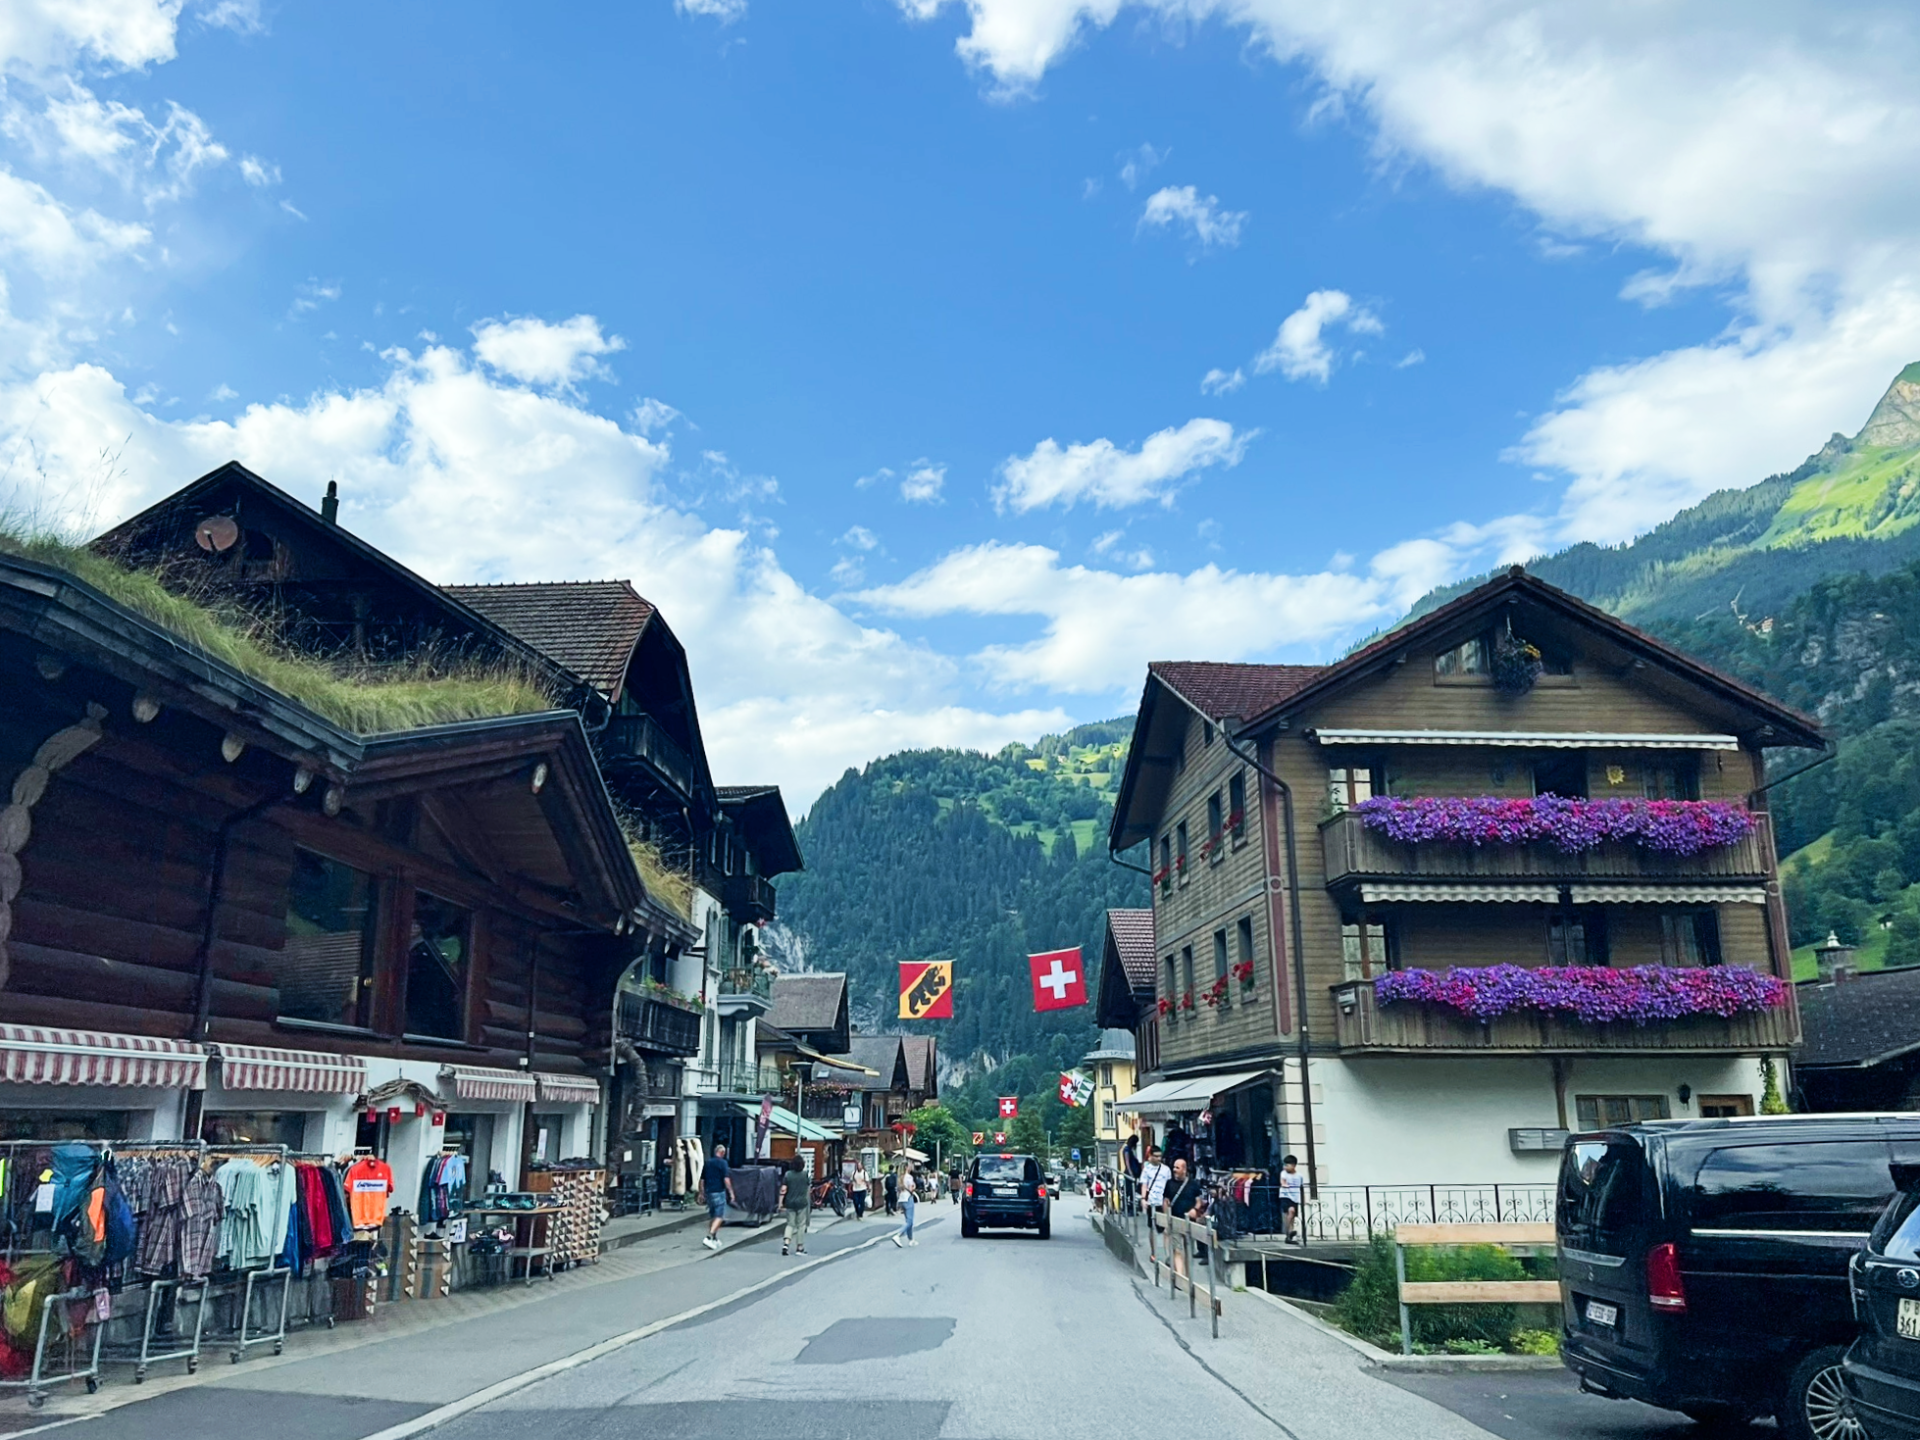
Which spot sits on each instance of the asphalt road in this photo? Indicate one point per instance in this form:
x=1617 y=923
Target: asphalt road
x=988 y=1339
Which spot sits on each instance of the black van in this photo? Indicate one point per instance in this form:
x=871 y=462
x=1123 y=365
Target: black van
x=1703 y=1263
x=1882 y=1370
x=1005 y=1190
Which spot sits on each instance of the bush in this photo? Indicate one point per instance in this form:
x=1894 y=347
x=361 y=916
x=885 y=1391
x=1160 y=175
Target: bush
x=1536 y=1342
x=1370 y=1306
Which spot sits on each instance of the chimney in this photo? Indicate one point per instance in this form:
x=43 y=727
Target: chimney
x=330 y=504
x=1835 y=960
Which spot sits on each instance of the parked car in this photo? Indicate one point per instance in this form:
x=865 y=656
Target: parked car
x=1703 y=1263
x=1005 y=1191
x=1882 y=1370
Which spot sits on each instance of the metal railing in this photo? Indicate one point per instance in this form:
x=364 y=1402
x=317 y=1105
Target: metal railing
x=640 y=737
x=657 y=1024
x=746 y=983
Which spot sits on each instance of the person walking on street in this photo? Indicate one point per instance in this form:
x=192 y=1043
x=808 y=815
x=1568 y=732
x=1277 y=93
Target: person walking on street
x=953 y=1182
x=796 y=1197
x=1293 y=1190
x=858 y=1189
x=892 y=1188
x=1181 y=1195
x=1153 y=1179
x=716 y=1183
x=909 y=1189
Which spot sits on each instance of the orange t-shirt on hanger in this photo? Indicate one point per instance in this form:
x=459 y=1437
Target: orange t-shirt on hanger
x=369 y=1181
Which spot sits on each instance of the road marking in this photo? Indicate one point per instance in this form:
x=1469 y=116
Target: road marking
x=479 y=1399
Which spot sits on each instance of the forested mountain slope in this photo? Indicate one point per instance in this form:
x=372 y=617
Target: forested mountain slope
x=980 y=859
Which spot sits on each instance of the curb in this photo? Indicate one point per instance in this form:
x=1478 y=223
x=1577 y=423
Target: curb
x=640 y=1237
x=1379 y=1359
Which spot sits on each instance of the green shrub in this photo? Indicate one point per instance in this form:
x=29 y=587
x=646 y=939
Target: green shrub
x=1370 y=1305
x=1437 y=1324
x=1470 y=1347
x=1536 y=1342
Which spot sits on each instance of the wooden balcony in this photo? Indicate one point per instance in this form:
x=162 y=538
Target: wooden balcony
x=1363 y=1027
x=639 y=738
x=748 y=898
x=651 y=1022
x=1354 y=853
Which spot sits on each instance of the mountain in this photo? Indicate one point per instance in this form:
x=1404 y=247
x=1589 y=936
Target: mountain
x=1853 y=507
x=980 y=859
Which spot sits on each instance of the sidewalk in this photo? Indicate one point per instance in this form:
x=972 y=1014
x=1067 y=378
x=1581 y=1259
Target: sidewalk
x=414 y=1355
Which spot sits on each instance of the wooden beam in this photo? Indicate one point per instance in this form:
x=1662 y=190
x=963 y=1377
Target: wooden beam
x=1517 y=1233
x=1480 y=1292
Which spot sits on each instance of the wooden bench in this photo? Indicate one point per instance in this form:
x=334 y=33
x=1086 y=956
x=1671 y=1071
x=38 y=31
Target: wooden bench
x=1521 y=1239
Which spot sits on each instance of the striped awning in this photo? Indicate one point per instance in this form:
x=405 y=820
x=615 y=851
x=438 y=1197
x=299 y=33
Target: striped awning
x=475 y=1082
x=261 y=1067
x=1374 y=893
x=37 y=1055
x=1669 y=894
x=567 y=1089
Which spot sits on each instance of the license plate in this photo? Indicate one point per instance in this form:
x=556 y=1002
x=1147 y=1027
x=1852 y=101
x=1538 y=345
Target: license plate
x=1907 y=1321
x=1601 y=1313
x=1006 y=1189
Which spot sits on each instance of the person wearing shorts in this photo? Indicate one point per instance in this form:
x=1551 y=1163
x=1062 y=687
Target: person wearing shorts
x=1293 y=1189
x=716 y=1183
x=796 y=1196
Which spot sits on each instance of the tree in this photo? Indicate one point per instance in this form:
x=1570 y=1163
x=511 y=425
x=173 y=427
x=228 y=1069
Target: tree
x=1076 y=1131
x=1027 y=1133
x=937 y=1132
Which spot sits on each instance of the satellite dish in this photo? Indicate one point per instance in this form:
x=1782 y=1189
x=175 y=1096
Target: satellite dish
x=216 y=534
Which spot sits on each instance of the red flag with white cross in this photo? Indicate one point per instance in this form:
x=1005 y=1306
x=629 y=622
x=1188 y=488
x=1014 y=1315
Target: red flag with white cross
x=1009 y=1107
x=1059 y=979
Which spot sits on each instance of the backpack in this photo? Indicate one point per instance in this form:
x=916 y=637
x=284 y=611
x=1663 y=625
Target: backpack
x=94 y=1218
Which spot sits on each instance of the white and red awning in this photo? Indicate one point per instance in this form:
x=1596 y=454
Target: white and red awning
x=476 y=1082
x=567 y=1089
x=39 y=1055
x=313 y=1072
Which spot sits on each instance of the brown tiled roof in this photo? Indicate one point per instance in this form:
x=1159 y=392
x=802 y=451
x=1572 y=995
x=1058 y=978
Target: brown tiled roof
x=807 y=1002
x=1133 y=941
x=920 y=1067
x=878 y=1053
x=1861 y=1021
x=1241 y=691
x=589 y=626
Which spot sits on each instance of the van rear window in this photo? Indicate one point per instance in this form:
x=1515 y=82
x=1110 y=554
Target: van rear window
x=1809 y=1185
x=1003 y=1169
x=1606 y=1196
x=1897 y=1236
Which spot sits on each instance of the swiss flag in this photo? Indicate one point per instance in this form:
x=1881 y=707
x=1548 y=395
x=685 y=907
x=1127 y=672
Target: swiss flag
x=1059 y=979
x=1009 y=1107
x=999 y=1137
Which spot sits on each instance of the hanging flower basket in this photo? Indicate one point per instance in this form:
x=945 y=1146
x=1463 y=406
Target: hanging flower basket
x=1673 y=827
x=1243 y=972
x=1215 y=992
x=1595 y=994
x=1516 y=664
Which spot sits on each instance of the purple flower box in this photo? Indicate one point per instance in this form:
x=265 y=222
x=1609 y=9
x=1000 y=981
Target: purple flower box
x=1592 y=993
x=1676 y=827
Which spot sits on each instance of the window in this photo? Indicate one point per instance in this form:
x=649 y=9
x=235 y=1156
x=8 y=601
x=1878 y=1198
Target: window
x=1725 y=1107
x=1467 y=658
x=1180 y=850
x=1577 y=938
x=1897 y=1236
x=1840 y=1185
x=1563 y=773
x=1166 y=865
x=1172 y=992
x=1690 y=937
x=1005 y=1169
x=1245 y=927
x=1106 y=1114
x=438 y=956
x=1606 y=1196
x=255 y=1127
x=1216 y=826
x=1600 y=1112
x=1186 y=969
x=1206 y=733
x=1220 y=964
x=1670 y=781
x=1106 y=1072
x=1348 y=785
x=1364 y=946
x=1237 y=806
x=326 y=968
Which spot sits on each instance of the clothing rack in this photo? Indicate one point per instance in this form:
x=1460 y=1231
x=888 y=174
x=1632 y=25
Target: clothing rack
x=264 y=1155
x=20 y=1188
x=165 y=1294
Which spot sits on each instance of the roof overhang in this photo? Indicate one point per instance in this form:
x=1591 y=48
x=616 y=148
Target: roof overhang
x=762 y=816
x=1186 y=1096
x=1528 y=739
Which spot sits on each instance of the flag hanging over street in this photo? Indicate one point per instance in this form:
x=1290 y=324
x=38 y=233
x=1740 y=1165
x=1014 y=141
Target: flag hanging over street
x=999 y=1137
x=1009 y=1107
x=1059 y=979
x=1075 y=1089
x=926 y=989
x=979 y=1136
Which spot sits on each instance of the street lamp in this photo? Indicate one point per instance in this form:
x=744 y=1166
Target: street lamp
x=802 y=1072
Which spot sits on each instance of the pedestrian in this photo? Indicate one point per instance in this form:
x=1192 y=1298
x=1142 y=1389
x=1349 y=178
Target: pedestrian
x=909 y=1189
x=953 y=1182
x=1130 y=1157
x=1181 y=1198
x=796 y=1196
x=892 y=1188
x=1153 y=1179
x=1293 y=1191
x=858 y=1189
x=716 y=1183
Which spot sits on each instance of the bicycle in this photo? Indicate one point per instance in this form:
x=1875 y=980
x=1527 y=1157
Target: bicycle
x=833 y=1193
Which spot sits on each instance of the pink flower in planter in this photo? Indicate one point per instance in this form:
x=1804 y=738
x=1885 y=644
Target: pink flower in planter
x=1674 y=827
x=1592 y=993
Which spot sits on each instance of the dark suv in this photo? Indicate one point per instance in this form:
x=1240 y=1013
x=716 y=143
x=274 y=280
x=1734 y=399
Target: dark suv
x=1882 y=1370
x=1005 y=1191
x=1703 y=1263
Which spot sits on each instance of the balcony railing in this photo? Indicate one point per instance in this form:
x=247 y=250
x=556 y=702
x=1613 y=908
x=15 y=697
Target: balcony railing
x=654 y=1023
x=754 y=1080
x=748 y=897
x=746 y=991
x=1353 y=852
x=639 y=737
x=1363 y=1026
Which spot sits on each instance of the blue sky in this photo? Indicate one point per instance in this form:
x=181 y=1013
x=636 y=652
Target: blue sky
x=872 y=339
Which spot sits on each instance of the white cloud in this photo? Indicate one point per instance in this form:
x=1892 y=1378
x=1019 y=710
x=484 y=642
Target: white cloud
x=531 y=350
x=56 y=241
x=464 y=477
x=924 y=483
x=256 y=171
x=1102 y=473
x=1109 y=546
x=1299 y=350
x=220 y=394
x=725 y=11
x=240 y=16
x=119 y=34
x=878 y=477
x=651 y=415
x=1136 y=165
x=860 y=538
x=160 y=162
x=1218 y=382
x=1415 y=356
x=1183 y=205
x=312 y=295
